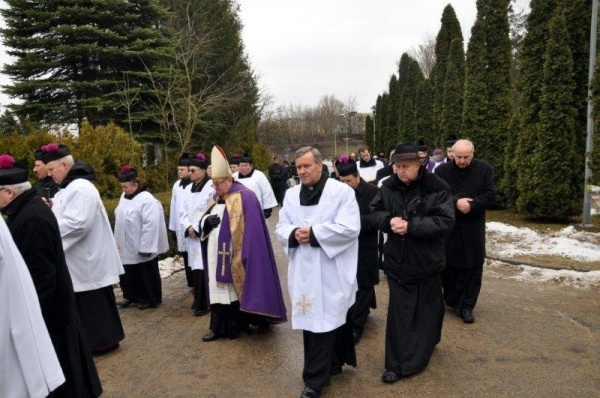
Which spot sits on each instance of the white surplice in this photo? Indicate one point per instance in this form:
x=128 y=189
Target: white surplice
x=140 y=228
x=28 y=363
x=190 y=213
x=369 y=174
x=219 y=293
x=322 y=280
x=178 y=196
x=90 y=249
x=259 y=184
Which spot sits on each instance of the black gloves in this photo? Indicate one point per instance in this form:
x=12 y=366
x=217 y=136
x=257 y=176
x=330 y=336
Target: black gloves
x=267 y=212
x=210 y=223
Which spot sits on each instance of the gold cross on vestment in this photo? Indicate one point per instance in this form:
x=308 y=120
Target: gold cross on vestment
x=223 y=253
x=304 y=304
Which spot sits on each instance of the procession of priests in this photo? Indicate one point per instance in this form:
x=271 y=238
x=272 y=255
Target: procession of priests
x=327 y=229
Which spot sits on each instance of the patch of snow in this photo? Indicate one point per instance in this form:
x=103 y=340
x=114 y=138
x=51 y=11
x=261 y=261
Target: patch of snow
x=546 y=275
x=170 y=265
x=505 y=240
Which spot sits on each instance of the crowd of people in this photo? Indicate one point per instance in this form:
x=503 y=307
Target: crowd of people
x=418 y=217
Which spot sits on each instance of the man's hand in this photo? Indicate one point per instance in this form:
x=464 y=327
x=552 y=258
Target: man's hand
x=191 y=232
x=302 y=235
x=464 y=205
x=399 y=225
x=47 y=201
x=210 y=223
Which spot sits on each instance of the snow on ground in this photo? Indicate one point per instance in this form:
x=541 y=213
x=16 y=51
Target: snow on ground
x=535 y=274
x=505 y=240
x=170 y=265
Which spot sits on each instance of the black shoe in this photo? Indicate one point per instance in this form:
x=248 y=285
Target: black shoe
x=212 y=336
x=390 y=377
x=356 y=337
x=467 y=315
x=124 y=303
x=309 y=392
x=143 y=306
x=201 y=312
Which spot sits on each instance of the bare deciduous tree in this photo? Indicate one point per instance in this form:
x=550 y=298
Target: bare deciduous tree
x=424 y=54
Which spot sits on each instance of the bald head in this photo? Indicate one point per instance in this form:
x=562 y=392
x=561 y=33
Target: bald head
x=463 y=153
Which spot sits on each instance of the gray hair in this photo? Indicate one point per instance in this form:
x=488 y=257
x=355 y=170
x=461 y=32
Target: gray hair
x=304 y=150
x=18 y=188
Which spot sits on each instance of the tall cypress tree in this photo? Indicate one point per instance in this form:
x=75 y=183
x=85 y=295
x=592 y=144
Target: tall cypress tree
x=387 y=136
x=424 y=113
x=71 y=56
x=377 y=146
x=414 y=77
x=476 y=106
x=369 y=133
x=453 y=97
x=555 y=145
x=409 y=124
x=530 y=85
x=498 y=63
x=395 y=106
x=448 y=33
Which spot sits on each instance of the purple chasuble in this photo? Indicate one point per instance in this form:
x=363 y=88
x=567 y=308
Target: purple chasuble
x=261 y=287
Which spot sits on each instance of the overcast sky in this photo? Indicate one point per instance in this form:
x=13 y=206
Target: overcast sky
x=305 y=49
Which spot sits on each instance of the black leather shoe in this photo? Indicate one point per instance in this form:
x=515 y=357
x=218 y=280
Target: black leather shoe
x=124 y=303
x=143 y=306
x=201 y=312
x=467 y=315
x=212 y=336
x=309 y=392
x=356 y=337
x=390 y=377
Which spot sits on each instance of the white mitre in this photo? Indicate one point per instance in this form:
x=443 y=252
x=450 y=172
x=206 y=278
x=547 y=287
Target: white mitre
x=219 y=163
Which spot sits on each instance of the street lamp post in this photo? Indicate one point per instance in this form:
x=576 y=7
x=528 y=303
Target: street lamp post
x=374 y=109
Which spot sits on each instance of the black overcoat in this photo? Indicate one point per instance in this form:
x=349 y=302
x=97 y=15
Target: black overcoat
x=35 y=231
x=368 y=266
x=465 y=245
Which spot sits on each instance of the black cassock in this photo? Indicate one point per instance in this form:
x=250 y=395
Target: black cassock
x=35 y=231
x=368 y=265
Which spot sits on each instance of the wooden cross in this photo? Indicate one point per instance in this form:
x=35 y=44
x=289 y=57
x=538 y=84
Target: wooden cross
x=224 y=253
x=304 y=304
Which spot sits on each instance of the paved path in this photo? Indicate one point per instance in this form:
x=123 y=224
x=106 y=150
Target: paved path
x=529 y=340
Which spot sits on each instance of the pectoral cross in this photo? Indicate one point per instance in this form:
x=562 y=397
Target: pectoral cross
x=223 y=253
x=304 y=304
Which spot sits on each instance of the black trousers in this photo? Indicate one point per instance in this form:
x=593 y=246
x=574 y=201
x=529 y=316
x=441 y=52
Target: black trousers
x=200 y=290
x=461 y=286
x=360 y=310
x=188 y=271
x=326 y=353
x=279 y=193
x=125 y=283
x=225 y=319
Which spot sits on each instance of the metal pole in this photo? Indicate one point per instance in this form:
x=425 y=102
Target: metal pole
x=587 y=204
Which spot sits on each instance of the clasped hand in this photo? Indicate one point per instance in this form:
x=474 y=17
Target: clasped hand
x=399 y=225
x=302 y=235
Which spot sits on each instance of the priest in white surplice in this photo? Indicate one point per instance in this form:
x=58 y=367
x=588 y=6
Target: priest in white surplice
x=258 y=183
x=181 y=189
x=318 y=228
x=90 y=249
x=141 y=235
x=192 y=209
x=28 y=363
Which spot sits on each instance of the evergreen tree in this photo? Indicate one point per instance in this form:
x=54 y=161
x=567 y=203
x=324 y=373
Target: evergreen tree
x=450 y=31
x=424 y=112
x=394 y=114
x=452 y=104
x=71 y=56
x=498 y=63
x=555 y=146
x=476 y=106
x=594 y=162
x=530 y=86
x=377 y=146
x=409 y=124
x=387 y=136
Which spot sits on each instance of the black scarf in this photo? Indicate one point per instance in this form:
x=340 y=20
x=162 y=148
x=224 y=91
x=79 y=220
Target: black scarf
x=367 y=164
x=310 y=196
x=198 y=187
